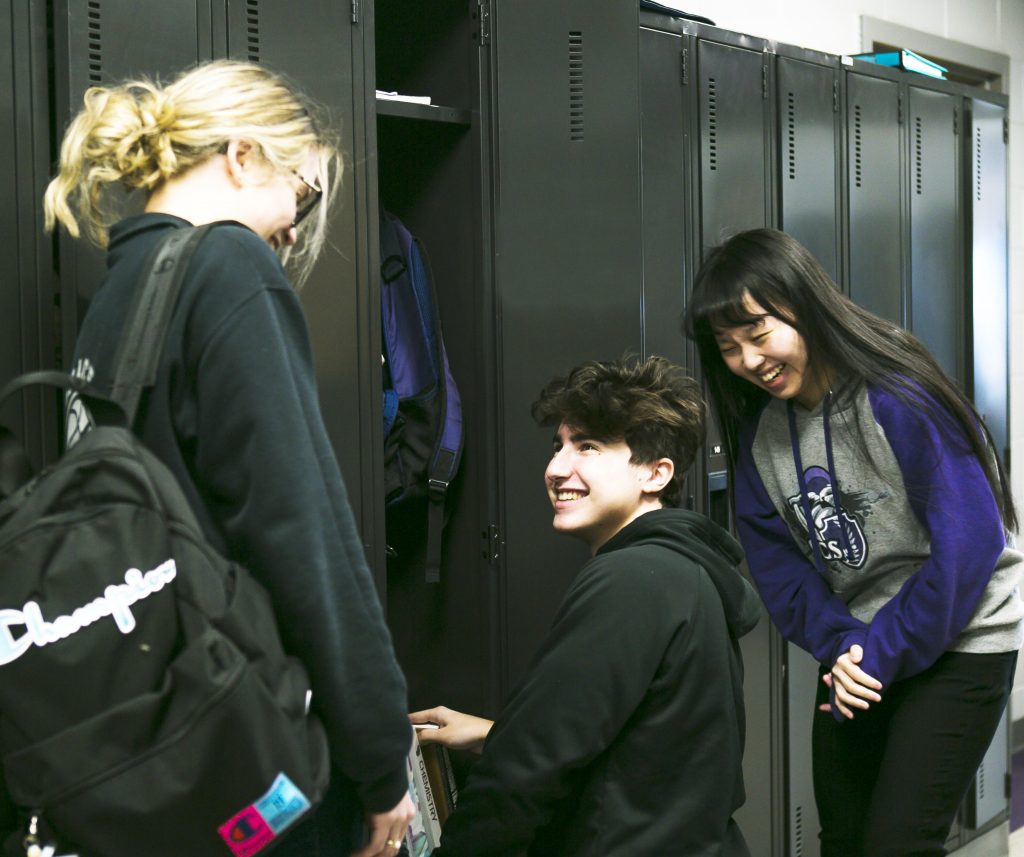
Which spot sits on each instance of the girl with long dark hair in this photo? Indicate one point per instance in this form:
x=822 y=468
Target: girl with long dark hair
x=873 y=513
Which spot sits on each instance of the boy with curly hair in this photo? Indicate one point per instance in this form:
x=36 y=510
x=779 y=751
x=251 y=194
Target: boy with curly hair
x=626 y=737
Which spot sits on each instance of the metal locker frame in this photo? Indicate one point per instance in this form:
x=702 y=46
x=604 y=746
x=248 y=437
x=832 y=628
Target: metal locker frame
x=737 y=191
x=987 y=267
x=810 y=203
x=936 y=300
x=987 y=801
x=428 y=166
x=666 y=188
x=735 y=162
x=809 y=152
x=876 y=260
x=667 y=180
x=988 y=376
x=722 y=141
x=567 y=262
x=28 y=301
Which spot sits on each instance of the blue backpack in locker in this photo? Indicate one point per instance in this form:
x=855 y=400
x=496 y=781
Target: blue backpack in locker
x=422 y=408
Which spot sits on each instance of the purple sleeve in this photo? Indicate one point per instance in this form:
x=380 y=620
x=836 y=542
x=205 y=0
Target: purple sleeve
x=951 y=497
x=800 y=602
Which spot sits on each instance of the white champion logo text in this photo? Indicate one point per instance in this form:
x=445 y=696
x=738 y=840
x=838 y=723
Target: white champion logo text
x=116 y=601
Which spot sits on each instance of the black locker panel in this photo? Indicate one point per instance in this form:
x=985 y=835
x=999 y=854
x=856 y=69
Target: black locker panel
x=873 y=190
x=807 y=147
x=733 y=147
x=320 y=51
x=936 y=296
x=989 y=270
x=665 y=168
x=27 y=299
x=734 y=194
x=99 y=43
x=567 y=255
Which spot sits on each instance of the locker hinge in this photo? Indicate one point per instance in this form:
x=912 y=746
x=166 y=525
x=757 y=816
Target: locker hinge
x=684 y=65
x=492 y=544
x=835 y=96
x=483 y=17
x=956 y=121
x=899 y=108
x=764 y=82
x=1006 y=129
x=355 y=11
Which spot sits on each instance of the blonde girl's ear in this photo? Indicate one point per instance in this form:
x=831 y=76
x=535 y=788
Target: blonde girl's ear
x=657 y=475
x=242 y=158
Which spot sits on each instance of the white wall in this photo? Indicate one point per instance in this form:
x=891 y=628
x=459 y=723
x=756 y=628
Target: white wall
x=994 y=25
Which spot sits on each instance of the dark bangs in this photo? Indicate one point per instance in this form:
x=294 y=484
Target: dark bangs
x=721 y=291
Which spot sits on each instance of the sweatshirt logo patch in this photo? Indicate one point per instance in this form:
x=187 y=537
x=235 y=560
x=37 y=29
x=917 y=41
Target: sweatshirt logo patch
x=840 y=538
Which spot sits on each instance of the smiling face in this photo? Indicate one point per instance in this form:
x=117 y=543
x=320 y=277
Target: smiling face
x=771 y=354
x=594 y=487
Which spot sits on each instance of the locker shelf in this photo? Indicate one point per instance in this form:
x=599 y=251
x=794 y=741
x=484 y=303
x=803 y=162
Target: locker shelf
x=425 y=112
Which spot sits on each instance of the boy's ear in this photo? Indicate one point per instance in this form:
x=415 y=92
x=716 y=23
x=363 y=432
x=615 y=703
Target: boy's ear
x=659 y=474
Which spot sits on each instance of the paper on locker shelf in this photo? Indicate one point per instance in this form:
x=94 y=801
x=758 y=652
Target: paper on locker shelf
x=399 y=96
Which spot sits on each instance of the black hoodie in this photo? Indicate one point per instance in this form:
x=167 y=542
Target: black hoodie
x=626 y=737
x=235 y=415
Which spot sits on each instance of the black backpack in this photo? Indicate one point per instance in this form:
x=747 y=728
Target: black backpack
x=422 y=407
x=147 y=707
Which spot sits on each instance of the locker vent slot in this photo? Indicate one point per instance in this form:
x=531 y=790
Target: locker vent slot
x=981 y=782
x=94 y=26
x=252 y=30
x=576 y=86
x=918 y=169
x=712 y=125
x=791 y=147
x=977 y=162
x=798 y=832
x=858 y=147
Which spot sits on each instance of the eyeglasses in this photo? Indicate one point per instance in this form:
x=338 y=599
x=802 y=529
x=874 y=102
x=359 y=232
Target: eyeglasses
x=307 y=202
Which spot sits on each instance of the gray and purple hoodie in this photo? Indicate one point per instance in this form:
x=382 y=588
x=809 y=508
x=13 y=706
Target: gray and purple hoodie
x=908 y=556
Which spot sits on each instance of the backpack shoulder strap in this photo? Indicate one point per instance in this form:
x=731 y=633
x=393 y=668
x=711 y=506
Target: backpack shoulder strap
x=138 y=355
x=447 y=452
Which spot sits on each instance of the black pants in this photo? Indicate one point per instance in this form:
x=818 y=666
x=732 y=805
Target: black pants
x=888 y=782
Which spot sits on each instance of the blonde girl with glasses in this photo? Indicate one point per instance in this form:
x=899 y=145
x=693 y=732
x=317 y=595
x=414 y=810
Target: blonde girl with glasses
x=234 y=412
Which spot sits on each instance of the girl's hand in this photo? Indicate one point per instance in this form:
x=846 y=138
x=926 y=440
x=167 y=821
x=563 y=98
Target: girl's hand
x=456 y=730
x=853 y=688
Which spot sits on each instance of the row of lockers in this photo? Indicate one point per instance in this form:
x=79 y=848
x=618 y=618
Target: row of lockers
x=579 y=159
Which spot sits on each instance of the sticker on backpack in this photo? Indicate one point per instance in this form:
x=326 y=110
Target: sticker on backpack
x=256 y=826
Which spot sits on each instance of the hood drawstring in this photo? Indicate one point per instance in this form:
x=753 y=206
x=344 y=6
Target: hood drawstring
x=805 y=504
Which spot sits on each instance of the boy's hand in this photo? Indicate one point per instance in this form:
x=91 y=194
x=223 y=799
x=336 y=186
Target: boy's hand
x=455 y=730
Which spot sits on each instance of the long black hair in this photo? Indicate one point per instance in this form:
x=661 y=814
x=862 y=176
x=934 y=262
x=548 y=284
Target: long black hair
x=851 y=344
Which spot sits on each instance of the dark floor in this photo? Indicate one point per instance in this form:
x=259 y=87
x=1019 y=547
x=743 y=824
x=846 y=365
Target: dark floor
x=1017 y=791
